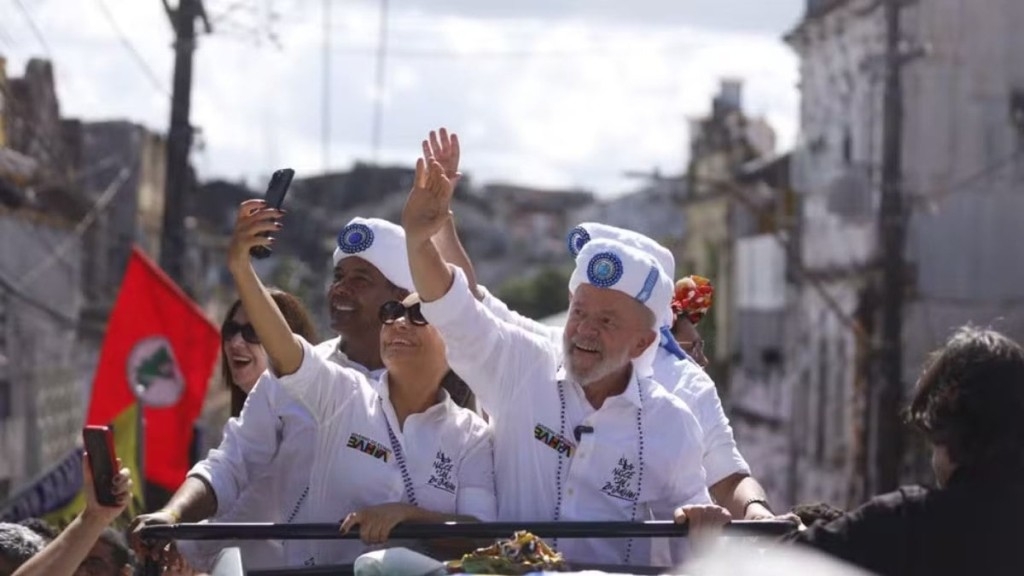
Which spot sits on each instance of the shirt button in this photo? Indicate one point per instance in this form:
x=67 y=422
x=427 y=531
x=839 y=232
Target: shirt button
x=569 y=491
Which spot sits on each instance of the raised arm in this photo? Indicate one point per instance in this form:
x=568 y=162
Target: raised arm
x=444 y=148
x=426 y=211
x=322 y=386
x=64 y=555
x=493 y=357
x=255 y=219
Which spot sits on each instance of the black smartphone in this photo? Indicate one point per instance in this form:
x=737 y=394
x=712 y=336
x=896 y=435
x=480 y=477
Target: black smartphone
x=99 y=446
x=276 y=191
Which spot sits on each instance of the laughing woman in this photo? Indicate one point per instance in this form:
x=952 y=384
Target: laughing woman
x=243 y=361
x=388 y=452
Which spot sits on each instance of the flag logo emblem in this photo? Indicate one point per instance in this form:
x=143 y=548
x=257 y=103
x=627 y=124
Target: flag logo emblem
x=153 y=373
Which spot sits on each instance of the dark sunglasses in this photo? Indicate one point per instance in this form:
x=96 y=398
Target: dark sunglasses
x=393 y=310
x=695 y=347
x=247 y=331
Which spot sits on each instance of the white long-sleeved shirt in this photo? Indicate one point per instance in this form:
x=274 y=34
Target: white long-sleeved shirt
x=447 y=451
x=514 y=373
x=681 y=377
x=257 y=471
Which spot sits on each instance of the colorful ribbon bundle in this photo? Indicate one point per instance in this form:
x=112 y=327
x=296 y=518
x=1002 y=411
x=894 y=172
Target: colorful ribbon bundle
x=693 y=297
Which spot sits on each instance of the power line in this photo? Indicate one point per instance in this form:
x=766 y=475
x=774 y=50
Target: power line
x=105 y=198
x=325 y=112
x=424 y=53
x=19 y=289
x=64 y=319
x=380 y=81
x=36 y=31
x=803 y=273
x=144 y=66
x=966 y=184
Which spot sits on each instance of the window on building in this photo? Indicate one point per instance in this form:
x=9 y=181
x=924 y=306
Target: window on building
x=821 y=418
x=6 y=399
x=840 y=406
x=5 y=385
x=847 y=147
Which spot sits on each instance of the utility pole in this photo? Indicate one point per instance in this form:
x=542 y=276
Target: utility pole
x=887 y=399
x=178 y=184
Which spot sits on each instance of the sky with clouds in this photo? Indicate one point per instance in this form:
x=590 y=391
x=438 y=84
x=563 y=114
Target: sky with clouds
x=553 y=93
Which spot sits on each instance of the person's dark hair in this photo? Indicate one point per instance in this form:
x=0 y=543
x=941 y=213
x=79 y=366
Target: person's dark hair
x=299 y=321
x=18 y=543
x=970 y=399
x=118 y=543
x=820 y=512
x=48 y=531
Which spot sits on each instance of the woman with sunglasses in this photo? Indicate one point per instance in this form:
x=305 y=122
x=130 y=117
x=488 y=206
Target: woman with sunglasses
x=243 y=361
x=387 y=452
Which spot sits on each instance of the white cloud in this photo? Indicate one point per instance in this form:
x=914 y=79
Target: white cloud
x=567 y=101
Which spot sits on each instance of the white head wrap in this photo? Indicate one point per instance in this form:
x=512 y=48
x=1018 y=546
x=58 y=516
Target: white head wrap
x=380 y=243
x=588 y=231
x=613 y=265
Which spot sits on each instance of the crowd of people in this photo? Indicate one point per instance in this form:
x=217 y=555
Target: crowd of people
x=435 y=402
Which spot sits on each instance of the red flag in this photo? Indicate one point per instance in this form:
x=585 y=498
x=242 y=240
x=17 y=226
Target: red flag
x=159 y=352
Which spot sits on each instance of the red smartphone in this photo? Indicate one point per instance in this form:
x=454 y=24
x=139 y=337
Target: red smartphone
x=99 y=446
x=276 y=191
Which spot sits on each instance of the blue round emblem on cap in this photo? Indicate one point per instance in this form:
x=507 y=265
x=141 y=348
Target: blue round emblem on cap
x=355 y=238
x=604 y=270
x=578 y=238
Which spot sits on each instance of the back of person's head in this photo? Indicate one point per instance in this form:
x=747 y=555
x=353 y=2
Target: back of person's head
x=298 y=319
x=970 y=400
x=17 y=545
x=109 y=555
x=118 y=543
x=48 y=531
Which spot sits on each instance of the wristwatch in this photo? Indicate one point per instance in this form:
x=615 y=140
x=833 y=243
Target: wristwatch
x=753 y=501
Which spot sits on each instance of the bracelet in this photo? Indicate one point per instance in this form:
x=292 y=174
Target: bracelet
x=172 y=514
x=753 y=501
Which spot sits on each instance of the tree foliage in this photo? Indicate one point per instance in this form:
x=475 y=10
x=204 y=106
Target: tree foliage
x=539 y=296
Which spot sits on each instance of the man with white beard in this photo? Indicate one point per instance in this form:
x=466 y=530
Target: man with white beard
x=598 y=440
x=728 y=475
x=729 y=478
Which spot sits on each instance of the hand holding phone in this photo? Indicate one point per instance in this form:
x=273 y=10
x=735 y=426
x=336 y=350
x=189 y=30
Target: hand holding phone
x=276 y=191
x=99 y=446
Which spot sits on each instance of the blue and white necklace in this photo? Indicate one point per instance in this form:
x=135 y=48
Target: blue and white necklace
x=640 y=464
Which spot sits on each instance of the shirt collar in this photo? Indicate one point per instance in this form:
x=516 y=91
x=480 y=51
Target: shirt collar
x=381 y=386
x=631 y=394
x=342 y=359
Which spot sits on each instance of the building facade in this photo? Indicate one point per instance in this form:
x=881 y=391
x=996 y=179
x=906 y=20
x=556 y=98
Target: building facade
x=962 y=161
x=720 y=144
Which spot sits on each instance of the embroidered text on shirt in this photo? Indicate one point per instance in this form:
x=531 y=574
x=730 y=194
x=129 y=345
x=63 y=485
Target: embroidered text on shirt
x=442 y=476
x=367 y=446
x=622 y=479
x=551 y=439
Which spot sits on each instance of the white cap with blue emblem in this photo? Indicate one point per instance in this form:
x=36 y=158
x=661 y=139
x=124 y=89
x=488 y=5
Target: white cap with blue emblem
x=380 y=243
x=614 y=265
x=587 y=231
